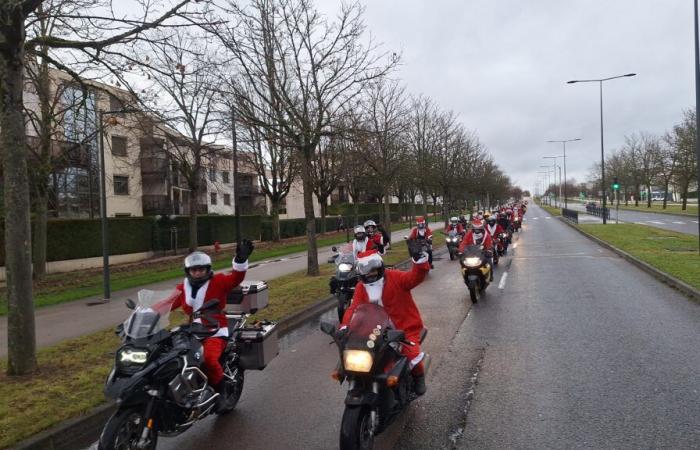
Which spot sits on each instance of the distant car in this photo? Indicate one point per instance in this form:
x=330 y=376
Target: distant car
x=590 y=206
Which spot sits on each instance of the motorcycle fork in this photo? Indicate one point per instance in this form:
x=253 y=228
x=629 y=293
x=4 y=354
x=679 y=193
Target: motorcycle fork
x=148 y=417
x=374 y=416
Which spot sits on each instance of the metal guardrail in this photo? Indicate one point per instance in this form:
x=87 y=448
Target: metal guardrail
x=570 y=214
x=598 y=211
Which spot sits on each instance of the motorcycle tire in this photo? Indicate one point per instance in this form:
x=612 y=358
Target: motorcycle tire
x=474 y=294
x=233 y=392
x=343 y=305
x=452 y=256
x=355 y=432
x=123 y=430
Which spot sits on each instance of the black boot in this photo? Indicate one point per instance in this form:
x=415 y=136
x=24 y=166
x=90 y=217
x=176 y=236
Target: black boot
x=419 y=386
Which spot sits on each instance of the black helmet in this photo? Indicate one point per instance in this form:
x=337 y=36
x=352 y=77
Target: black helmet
x=198 y=259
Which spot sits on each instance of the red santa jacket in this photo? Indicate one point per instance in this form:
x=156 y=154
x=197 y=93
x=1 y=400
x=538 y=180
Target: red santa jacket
x=362 y=246
x=396 y=299
x=414 y=233
x=459 y=228
x=495 y=230
x=217 y=287
x=469 y=240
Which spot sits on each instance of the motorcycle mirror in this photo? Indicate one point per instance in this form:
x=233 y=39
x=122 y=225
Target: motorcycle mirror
x=395 y=335
x=405 y=238
x=328 y=328
x=130 y=304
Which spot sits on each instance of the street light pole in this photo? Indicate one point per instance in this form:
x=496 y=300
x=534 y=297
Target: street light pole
x=602 y=146
x=697 y=118
x=564 y=141
x=106 y=295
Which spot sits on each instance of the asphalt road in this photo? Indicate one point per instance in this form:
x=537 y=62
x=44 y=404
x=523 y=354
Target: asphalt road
x=68 y=320
x=682 y=224
x=578 y=349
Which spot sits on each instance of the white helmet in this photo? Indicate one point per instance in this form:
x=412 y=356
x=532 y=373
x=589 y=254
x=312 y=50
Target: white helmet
x=368 y=224
x=370 y=262
x=454 y=220
x=359 y=229
x=198 y=259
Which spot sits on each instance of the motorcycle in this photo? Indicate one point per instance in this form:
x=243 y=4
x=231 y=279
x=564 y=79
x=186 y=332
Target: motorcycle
x=476 y=271
x=342 y=284
x=380 y=385
x=502 y=243
x=157 y=378
x=516 y=224
x=453 y=240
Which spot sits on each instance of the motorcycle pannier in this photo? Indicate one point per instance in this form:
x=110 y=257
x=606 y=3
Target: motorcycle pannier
x=257 y=345
x=248 y=297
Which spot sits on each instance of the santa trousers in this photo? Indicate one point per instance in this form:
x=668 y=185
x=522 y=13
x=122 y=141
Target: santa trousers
x=213 y=348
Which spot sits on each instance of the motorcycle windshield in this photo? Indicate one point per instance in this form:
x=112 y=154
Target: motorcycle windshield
x=472 y=250
x=452 y=234
x=364 y=321
x=345 y=255
x=151 y=314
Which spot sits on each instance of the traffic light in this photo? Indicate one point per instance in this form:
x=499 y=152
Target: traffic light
x=616 y=185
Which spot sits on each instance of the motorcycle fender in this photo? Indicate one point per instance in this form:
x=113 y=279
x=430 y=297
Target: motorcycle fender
x=485 y=270
x=123 y=388
x=472 y=278
x=358 y=398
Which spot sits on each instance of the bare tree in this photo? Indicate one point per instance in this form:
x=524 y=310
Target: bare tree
x=327 y=170
x=667 y=158
x=86 y=31
x=184 y=95
x=683 y=138
x=306 y=69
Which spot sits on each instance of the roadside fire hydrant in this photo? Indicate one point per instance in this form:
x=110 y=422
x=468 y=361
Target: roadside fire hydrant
x=217 y=246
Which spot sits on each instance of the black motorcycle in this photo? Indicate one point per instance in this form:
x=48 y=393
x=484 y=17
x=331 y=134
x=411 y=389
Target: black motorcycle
x=380 y=385
x=503 y=242
x=157 y=379
x=452 y=240
x=342 y=283
x=476 y=270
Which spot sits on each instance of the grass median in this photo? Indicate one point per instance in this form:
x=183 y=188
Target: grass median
x=65 y=287
x=70 y=379
x=671 y=252
x=692 y=210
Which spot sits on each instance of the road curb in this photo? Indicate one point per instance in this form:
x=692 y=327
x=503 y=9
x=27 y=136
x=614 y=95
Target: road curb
x=82 y=431
x=672 y=281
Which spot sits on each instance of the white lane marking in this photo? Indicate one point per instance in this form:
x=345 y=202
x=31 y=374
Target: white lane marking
x=535 y=218
x=679 y=223
x=548 y=217
x=695 y=221
x=502 y=283
x=639 y=223
x=655 y=222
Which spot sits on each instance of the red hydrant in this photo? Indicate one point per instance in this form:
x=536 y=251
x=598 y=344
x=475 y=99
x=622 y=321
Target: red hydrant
x=217 y=246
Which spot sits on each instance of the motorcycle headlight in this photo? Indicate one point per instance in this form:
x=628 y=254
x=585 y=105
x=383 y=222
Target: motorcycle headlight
x=345 y=267
x=130 y=358
x=517 y=220
x=472 y=261
x=357 y=360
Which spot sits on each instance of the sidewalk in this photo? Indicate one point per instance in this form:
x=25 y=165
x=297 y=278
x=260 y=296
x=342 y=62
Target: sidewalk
x=89 y=315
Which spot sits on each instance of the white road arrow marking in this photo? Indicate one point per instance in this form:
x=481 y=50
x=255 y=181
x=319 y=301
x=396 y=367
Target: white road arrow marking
x=502 y=283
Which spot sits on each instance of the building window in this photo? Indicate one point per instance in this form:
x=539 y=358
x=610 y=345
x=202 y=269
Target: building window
x=227 y=176
x=119 y=145
x=121 y=185
x=213 y=198
x=122 y=215
x=115 y=104
x=212 y=175
x=227 y=199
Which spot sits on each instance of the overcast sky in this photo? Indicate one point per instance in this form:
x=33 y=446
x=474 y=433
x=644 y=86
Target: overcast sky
x=502 y=66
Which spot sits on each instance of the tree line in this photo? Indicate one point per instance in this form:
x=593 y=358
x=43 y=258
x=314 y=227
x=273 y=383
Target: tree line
x=305 y=98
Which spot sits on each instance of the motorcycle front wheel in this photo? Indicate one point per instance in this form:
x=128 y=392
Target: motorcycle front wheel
x=474 y=293
x=452 y=255
x=356 y=429
x=232 y=390
x=123 y=431
x=343 y=304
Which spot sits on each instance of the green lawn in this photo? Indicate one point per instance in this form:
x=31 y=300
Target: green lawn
x=71 y=374
x=671 y=252
x=66 y=287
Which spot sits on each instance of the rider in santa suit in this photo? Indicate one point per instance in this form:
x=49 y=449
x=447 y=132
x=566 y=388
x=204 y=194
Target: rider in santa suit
x=362 y=242
x=392 y=290
x=199 y=286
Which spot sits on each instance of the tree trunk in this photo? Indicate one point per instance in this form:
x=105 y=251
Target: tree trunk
x=193 y=244
x=309 y=215
x=39 y=236
x=322 y=203
x=275 y=215
x=637 y=192
x=648 y=196
x=387 y=209
x=356 y=212
x=21 y=339
x=424 y=197
x=684 y=195
x=412 y=211
x=665 y=194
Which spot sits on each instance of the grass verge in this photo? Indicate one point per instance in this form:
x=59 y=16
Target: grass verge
x=66 y=287
x=671 y=252
x=70 y=378
x=691 y=210
x=552 y=210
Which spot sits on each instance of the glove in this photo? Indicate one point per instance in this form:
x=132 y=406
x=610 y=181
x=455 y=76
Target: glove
x=380 y=249
x=243 y=251
x=420 y=258
x=415 y=249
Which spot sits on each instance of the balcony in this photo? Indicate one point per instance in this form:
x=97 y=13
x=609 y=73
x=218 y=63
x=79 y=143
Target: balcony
x=156 y=204
x=249 y=190
x=154 y=165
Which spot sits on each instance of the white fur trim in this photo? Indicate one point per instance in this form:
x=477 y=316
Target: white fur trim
x=240 y=267
x=415 y=361
x=197 y=302
x=375 y=290
x=423 y=258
